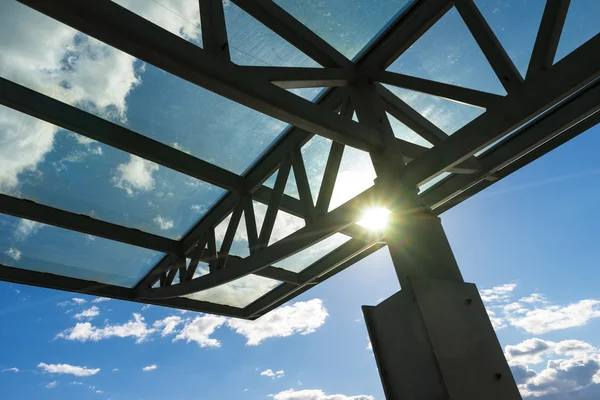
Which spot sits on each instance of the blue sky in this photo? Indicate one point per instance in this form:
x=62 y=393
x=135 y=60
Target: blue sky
x=529 y=242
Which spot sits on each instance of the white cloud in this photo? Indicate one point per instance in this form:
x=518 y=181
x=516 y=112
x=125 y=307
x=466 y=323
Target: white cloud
x=100 y=299
x=273 y=374
x=79 y=301
x=136 y=175
x=301 y=317
x=27 y=228
x=56 y=60
x=13 y=253
x=316 y=394
x=85 y=331
x=199 y=330
x=13 y=369
x=52 y=385
x=66 y=369
x=115 y=370
x=149 y=368
x=199 y=208
x=163 y=223
x=535 y=314
x=88 y=313
x=551 y=317
x=498 y=293
x=179 y=17
x=168 y=324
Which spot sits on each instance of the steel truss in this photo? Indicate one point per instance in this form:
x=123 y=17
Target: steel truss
x=549 y=106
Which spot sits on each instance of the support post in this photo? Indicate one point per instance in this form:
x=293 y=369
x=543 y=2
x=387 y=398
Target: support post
x=432 y=340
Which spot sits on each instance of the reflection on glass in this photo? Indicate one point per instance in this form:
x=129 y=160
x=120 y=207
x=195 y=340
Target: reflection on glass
x=356 y=175
x=403 y=132
x=448 y=53
x=56 y=60
x=180 y=17
x=447 y=115
x=238 y=293
x=252 y=43
x=310 y=255
x=580 y=26
x=55 y=167
x=348 y=25
x=37 y=247
x=432 y=182
x=314 y=154
x=516 y=25
x=285 y=224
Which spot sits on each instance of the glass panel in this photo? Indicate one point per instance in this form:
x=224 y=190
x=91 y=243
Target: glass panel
x=270 y=183
x=180 y=17
x=580 y=26
x=239 y=246
x=348 y=25
x=432 y=182
x=448 y=53
x=52 y=166
x=37 y=247
x=291 y=189
x=402 y=131
x=285 y=224
x=238 y=293
x=315 y=153
x=447 y=115
x=355 y=176
x=308 y=256
x=309 y=94
x=47 y=56
x=252 y=43
x=516 y=25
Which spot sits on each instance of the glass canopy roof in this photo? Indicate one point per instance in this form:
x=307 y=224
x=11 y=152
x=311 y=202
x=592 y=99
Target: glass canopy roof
x=239 y=149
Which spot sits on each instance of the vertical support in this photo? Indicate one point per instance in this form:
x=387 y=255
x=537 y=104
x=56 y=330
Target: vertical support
x=433 y=339
x=214 y=31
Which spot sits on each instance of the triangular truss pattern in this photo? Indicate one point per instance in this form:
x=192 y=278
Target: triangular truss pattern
x=447 y=53
x=581 y=24
x=320 y=184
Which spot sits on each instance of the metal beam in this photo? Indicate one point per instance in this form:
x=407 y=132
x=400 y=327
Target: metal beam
x=214 y=32
x=124 y=30
x=295 y=77
x=538 y=94
x=293 y=31
x=500 y=62
x=57 y=282
x=521 y=143
x=31 y=210
x=68 y=117
x=548 y=36
x=405 y=31
x=451 y=92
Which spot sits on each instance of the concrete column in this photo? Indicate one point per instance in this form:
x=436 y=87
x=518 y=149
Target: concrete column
x=432 y=340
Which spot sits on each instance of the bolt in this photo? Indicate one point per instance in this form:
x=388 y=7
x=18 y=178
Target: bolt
x=469 y=301
x=498 y=376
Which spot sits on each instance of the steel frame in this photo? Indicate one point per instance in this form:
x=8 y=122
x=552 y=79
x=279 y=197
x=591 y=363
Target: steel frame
x=552 y=104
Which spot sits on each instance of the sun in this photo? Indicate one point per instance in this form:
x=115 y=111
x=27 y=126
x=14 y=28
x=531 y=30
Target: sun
x=375 y=219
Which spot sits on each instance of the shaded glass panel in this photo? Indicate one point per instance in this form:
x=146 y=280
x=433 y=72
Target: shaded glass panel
x=403 y=132
x=447 y=115
x=432 y=182
x=448 y=53
x=516 y=25
x=252 y=43
x=59 y=168
x=291 y=189
x=356 y=175
x=239 y=246
x=348 y=25
x=314 y=154
x=52 y=58
x=308 y=256
x=238 y=293
x=582 y=24
x=180 y=17
x=38 y=247
x=285 y=223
